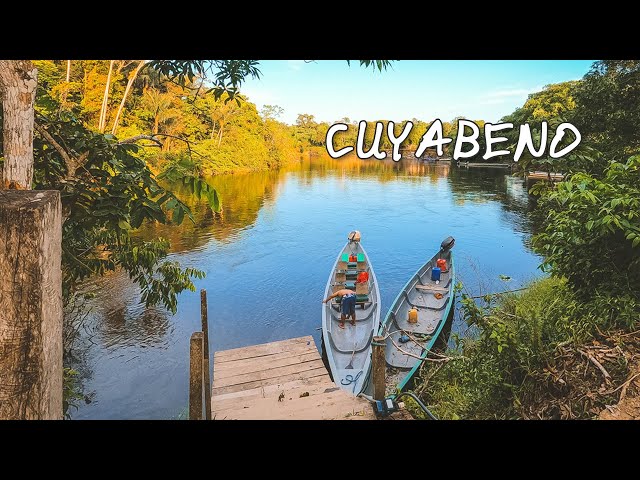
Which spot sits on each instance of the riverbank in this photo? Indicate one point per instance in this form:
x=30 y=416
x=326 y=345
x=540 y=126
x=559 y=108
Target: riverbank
x=542 y=354
x=213 y=163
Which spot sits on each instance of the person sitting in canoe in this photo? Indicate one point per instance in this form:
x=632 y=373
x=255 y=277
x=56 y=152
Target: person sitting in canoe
x=348 y=305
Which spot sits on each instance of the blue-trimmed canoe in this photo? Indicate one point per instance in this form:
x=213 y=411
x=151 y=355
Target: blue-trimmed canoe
x=407 y=344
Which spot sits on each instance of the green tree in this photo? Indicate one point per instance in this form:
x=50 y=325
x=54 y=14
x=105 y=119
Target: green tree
x=106 y=191
x=608 y=107
x=592 y=234
x=552 y=101
x=156 y=105
x=554 y=104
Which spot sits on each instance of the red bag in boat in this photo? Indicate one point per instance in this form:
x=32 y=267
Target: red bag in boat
x=362 y=277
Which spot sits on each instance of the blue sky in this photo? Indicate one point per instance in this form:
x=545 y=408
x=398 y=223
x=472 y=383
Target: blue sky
x=424 y=89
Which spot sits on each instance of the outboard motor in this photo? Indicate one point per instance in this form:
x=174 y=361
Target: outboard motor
x=447 y=244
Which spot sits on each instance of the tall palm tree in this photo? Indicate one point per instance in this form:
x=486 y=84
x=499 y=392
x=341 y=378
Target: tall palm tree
x=158 y=104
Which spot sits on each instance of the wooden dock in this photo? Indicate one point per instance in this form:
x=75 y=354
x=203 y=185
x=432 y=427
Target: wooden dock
x=553 y=176
x=281 y=380
x=483 y=165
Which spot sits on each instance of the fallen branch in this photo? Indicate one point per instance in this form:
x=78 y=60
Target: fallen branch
x=593 y=360
x=432 y=288
x=434 y=360
x=630 y=333
x=623 y=393
x=623 y=386
x=425 y=381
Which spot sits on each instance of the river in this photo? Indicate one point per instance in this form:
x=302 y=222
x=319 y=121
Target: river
x=268 y=257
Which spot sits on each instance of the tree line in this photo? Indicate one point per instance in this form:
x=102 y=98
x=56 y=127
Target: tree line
x=183 y=122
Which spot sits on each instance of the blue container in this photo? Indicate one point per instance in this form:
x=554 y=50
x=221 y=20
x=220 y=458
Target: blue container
x=435 y=274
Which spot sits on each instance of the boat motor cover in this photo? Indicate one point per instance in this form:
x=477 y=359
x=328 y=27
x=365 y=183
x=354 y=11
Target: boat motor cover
x=447 y=243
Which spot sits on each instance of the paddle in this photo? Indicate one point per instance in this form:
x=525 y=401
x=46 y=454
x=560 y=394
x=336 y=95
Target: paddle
x=432 y=288
x=350 y=366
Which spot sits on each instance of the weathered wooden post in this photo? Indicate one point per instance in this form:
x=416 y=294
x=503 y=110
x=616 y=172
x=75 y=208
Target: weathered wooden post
x=205 y=351
x=30 y=305
x=195 y=377
x=378 y=366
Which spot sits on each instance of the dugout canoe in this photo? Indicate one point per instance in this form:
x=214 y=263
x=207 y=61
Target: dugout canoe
x=349 y=350
x=407 y=344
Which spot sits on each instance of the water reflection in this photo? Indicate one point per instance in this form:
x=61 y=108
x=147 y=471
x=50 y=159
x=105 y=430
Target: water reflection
x=268 y=256
x=243 y=196
x=122 y=321
x=382 y=170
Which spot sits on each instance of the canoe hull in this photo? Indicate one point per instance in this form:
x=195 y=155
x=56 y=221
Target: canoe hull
x=350 y=346
x=407 y=344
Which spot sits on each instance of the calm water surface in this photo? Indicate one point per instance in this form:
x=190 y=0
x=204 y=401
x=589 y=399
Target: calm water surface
x=267 y=260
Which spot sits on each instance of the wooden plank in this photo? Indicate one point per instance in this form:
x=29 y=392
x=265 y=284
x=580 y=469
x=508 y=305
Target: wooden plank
x=224 y=402
x=266 y=373
x=222 y=366
x=322 y=406
x=264 y=349
x=327 y=410
x=274 y=390
x=256 y=365
x=333 y=405
x=270 y=381
x=299 y=350
x=432 y=288
x=221 y=403
x=268 y=345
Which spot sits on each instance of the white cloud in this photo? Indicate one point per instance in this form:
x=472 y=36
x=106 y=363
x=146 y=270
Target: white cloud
x=295 y=65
